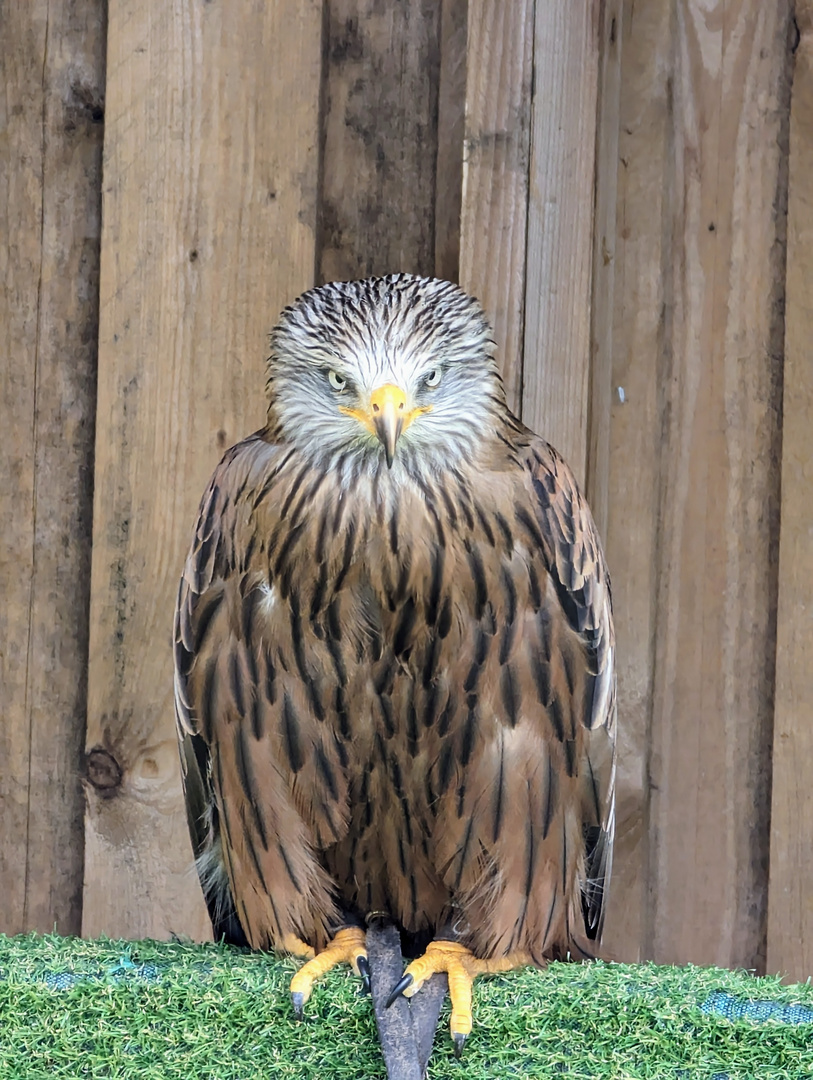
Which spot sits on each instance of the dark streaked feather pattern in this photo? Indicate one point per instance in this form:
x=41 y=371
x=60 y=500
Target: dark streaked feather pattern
x=395 y=691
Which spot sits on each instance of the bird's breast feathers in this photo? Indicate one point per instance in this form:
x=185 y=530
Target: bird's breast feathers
x=370 y=654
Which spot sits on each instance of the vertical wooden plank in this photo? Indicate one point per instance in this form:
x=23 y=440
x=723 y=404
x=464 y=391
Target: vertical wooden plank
x=635 y=440
x=51 y=122
x=790 y=906
x=603 y=272
x=377 y=185
x=720 y=384
x=622 y=928
x=209 y=224
x=560 y=225
x=495 y=173
x=451 y=132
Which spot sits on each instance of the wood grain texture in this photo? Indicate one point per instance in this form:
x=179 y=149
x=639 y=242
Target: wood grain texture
x=451 y=133
x=380 y=130
x=560 y=226
x=635 y=442
x=495 y=173
x=603 y=272
x=51 y=120
x=790 y=908
x=720 y=387
x=209 y=228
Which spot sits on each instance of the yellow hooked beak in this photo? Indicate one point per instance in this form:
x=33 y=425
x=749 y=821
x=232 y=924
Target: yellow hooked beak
x=387 y=416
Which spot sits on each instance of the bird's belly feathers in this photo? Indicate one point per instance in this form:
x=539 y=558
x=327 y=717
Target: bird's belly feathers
x=425 y=710
x=392 y=702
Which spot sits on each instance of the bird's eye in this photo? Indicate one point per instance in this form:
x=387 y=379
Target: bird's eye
x=433 y=378
x=337 y=381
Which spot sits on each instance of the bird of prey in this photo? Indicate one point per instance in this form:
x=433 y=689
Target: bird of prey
x=394 y=657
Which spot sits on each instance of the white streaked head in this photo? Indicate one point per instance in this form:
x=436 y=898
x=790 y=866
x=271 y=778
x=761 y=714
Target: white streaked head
x=397 y=371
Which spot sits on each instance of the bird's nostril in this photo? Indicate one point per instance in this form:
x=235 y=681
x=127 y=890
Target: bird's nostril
x=376 y=408
x=401 y=407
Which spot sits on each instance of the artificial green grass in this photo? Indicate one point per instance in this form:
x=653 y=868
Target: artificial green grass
x=162 y=1011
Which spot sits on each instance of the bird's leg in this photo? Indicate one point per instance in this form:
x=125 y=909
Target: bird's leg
x=462 y=967
x=348 y=946
x=295 y=946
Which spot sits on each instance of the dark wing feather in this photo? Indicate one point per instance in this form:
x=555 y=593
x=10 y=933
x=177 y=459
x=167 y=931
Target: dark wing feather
x=194 y=610
x=248 y=707
x=575 y=562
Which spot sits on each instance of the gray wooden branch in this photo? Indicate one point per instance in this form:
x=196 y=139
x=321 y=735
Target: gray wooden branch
x=407 y=1028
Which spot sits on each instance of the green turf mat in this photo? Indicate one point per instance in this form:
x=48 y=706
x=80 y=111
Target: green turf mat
x=146 y=1009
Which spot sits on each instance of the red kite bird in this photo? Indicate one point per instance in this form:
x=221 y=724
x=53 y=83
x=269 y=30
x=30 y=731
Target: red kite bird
x=394 y=657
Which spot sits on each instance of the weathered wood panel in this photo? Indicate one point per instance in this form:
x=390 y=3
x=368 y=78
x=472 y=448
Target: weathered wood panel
x=719 y=385
x=602 y=307
x=790 y=924
x=661 y=381
x=51 y=119
x=635 y=437
x=495 y=173
x=451 y=133
x=556 y=346
x=209 y=224
x=377 y=185
x=622 y=929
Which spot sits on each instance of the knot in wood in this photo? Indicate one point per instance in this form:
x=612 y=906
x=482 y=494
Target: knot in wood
x=103 y=771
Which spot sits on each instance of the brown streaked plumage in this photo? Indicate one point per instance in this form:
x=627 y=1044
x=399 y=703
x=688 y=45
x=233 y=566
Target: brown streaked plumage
x=394 y=647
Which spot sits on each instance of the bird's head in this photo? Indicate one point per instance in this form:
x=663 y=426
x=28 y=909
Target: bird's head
x=395 y=371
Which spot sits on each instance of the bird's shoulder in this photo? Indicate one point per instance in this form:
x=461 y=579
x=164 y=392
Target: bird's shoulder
x=241 y=487
x=219 y=550
x=569 y=543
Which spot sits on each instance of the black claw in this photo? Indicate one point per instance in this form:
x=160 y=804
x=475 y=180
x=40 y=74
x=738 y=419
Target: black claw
x=363 y=964
x=298 y=1002
x=377 y=919
x=398 y=989
x=459 y=1043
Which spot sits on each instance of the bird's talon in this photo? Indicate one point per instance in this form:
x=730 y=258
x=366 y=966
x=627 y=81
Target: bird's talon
x=346 y=947
x=403 y=984
x=363 y=964
x=459 y=1042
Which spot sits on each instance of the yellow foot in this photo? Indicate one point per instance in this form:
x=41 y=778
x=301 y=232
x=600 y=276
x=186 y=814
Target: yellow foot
x=295 y=946
x=349 y=946
x=462 y=967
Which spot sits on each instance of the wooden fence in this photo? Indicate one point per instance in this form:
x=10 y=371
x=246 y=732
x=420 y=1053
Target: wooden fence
x=627 y=187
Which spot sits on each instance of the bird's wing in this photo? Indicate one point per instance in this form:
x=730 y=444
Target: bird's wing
x=236 y=684
x=575 y=562
x=208 y=565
